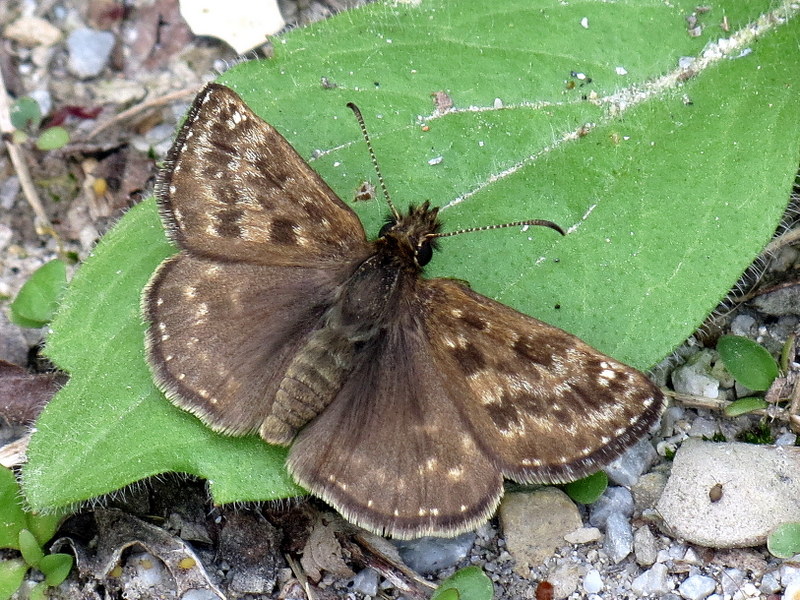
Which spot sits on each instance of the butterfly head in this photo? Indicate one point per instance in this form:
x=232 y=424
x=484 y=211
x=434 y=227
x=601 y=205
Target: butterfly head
x=411 y=236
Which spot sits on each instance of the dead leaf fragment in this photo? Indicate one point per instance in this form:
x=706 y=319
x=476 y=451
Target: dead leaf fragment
x=243 y=24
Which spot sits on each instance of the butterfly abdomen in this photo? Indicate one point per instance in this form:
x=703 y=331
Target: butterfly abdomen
x=311 y=382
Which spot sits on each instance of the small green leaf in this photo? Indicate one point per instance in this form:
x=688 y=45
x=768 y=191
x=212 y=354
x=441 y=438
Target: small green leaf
x=30 y=548
x=25 y=113
x=470 y=583
x=52 y=138
x=55 y=567
x=750 y=364
x=588 y=489
x=12 y=517
x=12 y=572
x=38 y=299
x=784 y=541
x=745 y=405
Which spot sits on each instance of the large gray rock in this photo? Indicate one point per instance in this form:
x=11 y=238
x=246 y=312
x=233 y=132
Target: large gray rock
x=729 y=495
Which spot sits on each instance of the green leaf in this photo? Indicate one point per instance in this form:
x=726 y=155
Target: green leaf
x=12 y=573
x=38 y=299
x=52 y=138
x=588 y=489
x=748 y=362
x=744 y=406
x=470 y=583
x=784 y=540
x=30 y=548
x=12 y=517
x=651 y=196
x=25 y=113
x=55 y=567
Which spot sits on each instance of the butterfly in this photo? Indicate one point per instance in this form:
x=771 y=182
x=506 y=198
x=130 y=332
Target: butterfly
x=405 y=401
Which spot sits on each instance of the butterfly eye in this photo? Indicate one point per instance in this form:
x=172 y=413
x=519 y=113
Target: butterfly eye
x=424 y=253
x=385 y=229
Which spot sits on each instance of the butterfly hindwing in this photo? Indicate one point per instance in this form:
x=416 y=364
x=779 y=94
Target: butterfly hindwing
x=394 y=451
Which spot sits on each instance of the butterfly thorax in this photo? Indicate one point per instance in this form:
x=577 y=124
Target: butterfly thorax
x=360 y=315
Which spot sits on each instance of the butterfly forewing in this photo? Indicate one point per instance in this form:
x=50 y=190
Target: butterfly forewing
x=234 y=190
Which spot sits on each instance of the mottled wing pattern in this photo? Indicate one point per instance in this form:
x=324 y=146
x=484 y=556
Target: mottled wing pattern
x=233 y=189
x=544 y=405
x=264 y=245
x=221 y=338
x=394 y=452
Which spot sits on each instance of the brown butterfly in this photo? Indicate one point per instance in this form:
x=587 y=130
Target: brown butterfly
x=406 y=400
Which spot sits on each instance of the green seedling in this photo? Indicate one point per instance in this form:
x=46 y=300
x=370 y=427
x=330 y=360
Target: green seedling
x=38 y=299
x=748 y=362
x=26 y=117
x=470 y=583
x=588 y=489
x=27 y=533
x=784 y=540
x=760 y=433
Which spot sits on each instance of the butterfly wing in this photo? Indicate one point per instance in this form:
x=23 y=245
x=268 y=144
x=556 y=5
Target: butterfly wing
x=264 y=245
x=394 y=452
x=233 y=189
x=221 y=337
x=547 y=407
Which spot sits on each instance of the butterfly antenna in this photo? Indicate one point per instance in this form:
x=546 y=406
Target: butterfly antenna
x=360 y=119
x=532 y=222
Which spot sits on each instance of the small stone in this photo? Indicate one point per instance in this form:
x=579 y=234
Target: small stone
x=697 y=587
x=743 y=325
x=43 y=99
x=694 y=377
x=644 y=546
x=584 y=535
x=732 y=581
x=593 y=583
x=199 y=594
x=619 y=537
x=654 y=581
x=792 y=591
x=648 y=490
x=614 y=499
x=89 y=51
x=789 y=574
x=32 y=31
x=627 y=469
x=770 y=583
x=565 y=579
x=702 y=427
x=535 y=523
x=366 y=582
x=430 y=554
